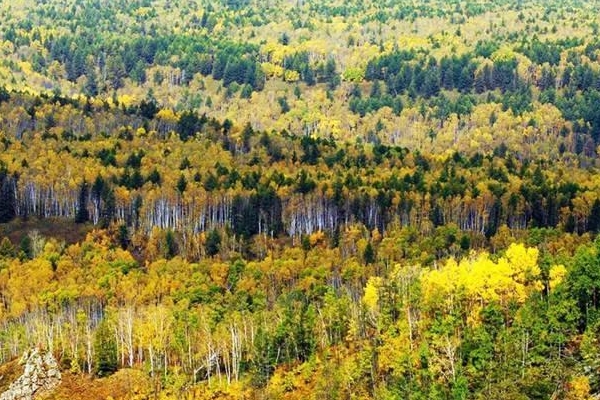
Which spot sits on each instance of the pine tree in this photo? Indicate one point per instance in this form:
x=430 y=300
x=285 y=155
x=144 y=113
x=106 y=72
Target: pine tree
x=108 y=211
x=213 y=243
x=369 y=254
x=264 y=358
x=82 y=215
x=26 y=248
x=170 y=249
x=105 y=350
x=594 y=219
x=7 y=196
x=6 y=248
x=181 y=184
x=91 y=82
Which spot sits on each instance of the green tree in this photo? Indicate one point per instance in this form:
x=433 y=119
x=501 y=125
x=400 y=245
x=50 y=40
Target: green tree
x=181 y=184
x=91 y=84
x=264 y=358
x=6 y=248
x=213 y=243
x=583 y=282
x=7 y=195
x=170 y=249
x=115 y=72
x=105 y=350
x=26 y=248
x=594 y=219
x=369 y=254
x=188 y=125
x=82 y=215
x=108 y=210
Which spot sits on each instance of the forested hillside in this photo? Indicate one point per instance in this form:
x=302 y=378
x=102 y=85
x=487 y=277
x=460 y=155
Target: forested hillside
x=302 y=199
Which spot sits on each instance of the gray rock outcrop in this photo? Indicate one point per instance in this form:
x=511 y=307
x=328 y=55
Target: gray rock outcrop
x=41 y=375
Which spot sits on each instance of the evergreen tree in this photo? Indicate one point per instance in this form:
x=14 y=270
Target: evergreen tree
x=148 y=108
x=594 y=219
x=247 y=134
x=26 y=248
x=213 y=243
x=170 y=249
x=181 y=184
x=105 y=350
x=108 y=211
x=123 y=236
x=91 y=82
x=154 y=177
x=264 y=358
x=7 y=196
x=188 y=124
x=369 y=254
x=115 y=72
x=246 y=92
x=6 y=248
x=82 y=215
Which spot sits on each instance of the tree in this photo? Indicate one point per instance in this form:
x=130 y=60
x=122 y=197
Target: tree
x=247 y=135
x=7 y=249
x=115 y=71
x=148 y=108
x=108 y=211
x=7 y=195
x=171 y=248
x=189 y=123
x=213 y=243
x=123 y=236
x=181 y=184
x=82 y=215
x=26 y=248
x=154 y=177
x=264 y=357
x=583 y=282
x=91 y=83
x=283 y=104
x=369 y=254
x=105 y=350
x=594 y=219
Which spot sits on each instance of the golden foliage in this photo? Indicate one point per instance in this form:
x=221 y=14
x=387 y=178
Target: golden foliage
x=480 y=280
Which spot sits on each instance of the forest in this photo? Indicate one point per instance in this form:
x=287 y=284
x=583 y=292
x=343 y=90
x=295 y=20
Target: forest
x=302 y=200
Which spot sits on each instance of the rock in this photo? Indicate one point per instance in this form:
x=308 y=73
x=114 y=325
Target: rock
x=41 y=374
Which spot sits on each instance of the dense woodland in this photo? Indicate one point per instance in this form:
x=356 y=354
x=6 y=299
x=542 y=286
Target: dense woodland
x=292 y=200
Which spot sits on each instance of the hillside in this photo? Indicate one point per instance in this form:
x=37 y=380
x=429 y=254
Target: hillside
x=424 y=75
x=302 y=199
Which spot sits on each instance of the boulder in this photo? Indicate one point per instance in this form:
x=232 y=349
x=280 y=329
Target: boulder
x=41 y=375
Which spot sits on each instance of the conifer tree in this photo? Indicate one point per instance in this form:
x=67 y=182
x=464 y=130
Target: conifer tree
x=82 y=215
x=105 y=350
x=7 y=196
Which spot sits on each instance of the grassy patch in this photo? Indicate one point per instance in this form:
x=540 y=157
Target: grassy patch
x=60 y=229
x=9 y=373
x=125 y=384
